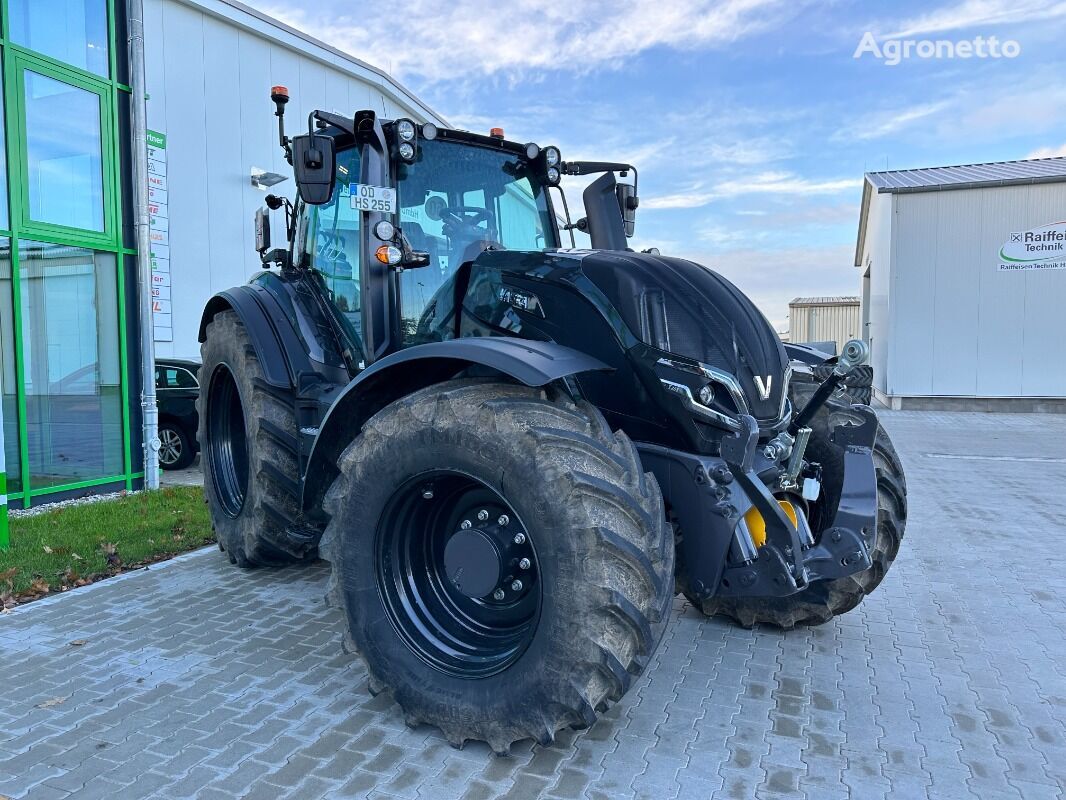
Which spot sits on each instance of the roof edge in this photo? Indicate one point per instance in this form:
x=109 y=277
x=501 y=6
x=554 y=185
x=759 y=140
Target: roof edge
x=864 y=217
x=807 y=302
x=951 y=187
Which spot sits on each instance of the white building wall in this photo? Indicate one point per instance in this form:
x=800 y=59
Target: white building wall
x=959 y=326
x=209 y=69
x=877 y=258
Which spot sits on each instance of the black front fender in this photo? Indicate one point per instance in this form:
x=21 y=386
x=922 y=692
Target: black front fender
x=260 y=316
x=533 y=363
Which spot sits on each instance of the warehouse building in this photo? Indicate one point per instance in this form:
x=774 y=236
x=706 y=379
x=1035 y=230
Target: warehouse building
x=963 y=285
x=68 y=260
x=827 y=322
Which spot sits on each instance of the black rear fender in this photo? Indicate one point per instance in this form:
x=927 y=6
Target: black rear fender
x=533 y=363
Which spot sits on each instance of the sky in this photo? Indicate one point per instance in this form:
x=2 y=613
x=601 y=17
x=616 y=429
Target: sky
x=751 y=122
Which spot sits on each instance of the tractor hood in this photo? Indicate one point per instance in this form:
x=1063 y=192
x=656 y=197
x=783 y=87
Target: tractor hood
x=689 y=310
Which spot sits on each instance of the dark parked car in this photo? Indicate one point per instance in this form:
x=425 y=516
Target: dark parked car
x=177 y=388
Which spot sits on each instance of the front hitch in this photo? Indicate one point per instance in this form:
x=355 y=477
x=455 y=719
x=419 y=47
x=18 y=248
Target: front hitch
x=709 y=497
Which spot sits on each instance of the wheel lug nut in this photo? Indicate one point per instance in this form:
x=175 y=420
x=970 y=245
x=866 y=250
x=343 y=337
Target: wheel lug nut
x=482 y=515
x=503 y=520
x=466 y=524
x=498 y=594
x=524 y=563
x=516 y=586
x=519 y=538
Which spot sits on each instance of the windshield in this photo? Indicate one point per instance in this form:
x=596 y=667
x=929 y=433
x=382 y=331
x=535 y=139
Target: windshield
x=455 y=201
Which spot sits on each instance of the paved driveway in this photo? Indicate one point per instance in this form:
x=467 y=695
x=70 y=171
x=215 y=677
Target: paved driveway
x=200 y=680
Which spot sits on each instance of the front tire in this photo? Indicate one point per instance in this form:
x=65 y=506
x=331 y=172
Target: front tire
x=248 y=449
x=596 y=593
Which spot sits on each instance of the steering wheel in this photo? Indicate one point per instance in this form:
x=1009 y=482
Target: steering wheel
x=468 y=216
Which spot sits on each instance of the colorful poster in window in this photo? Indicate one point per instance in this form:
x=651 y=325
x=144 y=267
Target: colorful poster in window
x=159 y=233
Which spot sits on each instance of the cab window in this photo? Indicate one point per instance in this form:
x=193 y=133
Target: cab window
x=331 y=241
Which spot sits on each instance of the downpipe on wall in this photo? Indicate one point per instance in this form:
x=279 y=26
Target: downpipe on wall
x=139 y=133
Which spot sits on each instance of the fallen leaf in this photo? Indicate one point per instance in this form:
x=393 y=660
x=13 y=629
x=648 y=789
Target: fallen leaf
x=39 y=586
x=9 y=574
x=76 y=557
x=48 y=549
x=55 y=701
x=79 y=642
x=111 y=552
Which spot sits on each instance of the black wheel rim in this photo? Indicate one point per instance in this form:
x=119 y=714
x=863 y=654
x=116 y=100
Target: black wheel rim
x=169 y=446
x=458 y=573
x=227 y=442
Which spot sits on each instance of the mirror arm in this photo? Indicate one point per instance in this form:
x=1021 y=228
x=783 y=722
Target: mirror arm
x=569 y=226
x=325 y=119
x=412 y=259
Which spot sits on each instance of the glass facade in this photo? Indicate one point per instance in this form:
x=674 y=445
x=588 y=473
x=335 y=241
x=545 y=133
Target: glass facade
x=66 y=264
x=64 y=153
x=73 y=32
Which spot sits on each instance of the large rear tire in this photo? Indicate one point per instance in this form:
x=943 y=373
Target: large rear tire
x=823 y=600
x=532 y=649
x=248 y=439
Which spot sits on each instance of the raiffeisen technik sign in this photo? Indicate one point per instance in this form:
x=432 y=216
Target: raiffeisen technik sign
x=1036 y=248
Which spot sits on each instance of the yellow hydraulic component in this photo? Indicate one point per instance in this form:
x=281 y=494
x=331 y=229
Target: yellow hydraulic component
x=757 y=525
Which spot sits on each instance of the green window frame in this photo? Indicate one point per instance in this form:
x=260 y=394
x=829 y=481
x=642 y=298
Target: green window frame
x=114 y=96
x=18 y=167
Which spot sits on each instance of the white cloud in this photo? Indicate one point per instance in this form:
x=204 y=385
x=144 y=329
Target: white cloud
x=779 y=183
x=485 y=37
x=1037 y=105
x=692 y=199
x=784 y=183
x=979 y=13
x=1049 y=152
x=891 y=122
x=748 y=152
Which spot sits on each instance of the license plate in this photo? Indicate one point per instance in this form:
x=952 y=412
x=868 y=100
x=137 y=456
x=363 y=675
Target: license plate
x=374 y=198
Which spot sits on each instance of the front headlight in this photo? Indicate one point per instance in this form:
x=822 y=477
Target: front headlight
x=551 y=156
x=405 y=130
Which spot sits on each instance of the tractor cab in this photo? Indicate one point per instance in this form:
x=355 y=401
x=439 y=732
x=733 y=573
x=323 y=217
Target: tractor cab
x=389 y=211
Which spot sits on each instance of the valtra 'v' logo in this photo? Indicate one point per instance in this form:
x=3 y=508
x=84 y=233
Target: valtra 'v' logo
x=764 y=387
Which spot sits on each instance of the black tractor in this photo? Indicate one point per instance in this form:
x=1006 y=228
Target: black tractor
x=513 y=454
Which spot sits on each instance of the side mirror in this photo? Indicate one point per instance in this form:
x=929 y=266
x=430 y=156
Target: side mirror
x=314 y=158
x=262 y=231
x=627 y=203
x=278 y=255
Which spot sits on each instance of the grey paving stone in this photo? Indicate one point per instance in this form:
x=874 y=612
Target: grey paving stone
x=204 y=681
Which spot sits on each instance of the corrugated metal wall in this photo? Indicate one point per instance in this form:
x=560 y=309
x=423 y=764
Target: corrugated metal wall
x=824 y=323
x=961 y=327
x=209 y=82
